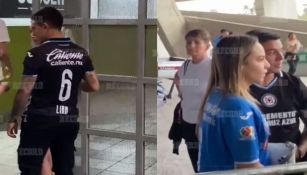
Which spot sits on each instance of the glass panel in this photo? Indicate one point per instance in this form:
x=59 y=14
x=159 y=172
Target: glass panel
x=114 y=107
x=151 y=109
x=74 y=32
x=111 y=156
x=151 y=9
x=150 y=159
x=151 y=52
x=114 y=9
x=19 y=45
x=114 y=49
x=15 y=9
x=69 y=8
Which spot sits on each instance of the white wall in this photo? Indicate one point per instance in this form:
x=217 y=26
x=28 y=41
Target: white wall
x=162 y=52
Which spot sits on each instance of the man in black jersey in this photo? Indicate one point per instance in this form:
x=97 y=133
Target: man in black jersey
x=53 y=72
x=283 y=97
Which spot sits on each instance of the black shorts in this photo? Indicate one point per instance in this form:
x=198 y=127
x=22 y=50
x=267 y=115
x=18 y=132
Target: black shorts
x=38 y=133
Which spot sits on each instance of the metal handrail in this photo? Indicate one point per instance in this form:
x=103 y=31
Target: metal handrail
x=243 y=24
x=275 y=169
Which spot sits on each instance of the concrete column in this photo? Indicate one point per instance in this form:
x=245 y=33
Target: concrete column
x=276 y=8
x=172 y=27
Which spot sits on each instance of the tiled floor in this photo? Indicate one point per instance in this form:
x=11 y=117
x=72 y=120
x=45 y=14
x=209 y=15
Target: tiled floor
x=108 y=156
x=8 y=158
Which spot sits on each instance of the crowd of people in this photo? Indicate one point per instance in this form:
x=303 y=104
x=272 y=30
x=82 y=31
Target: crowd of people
x=239 y=108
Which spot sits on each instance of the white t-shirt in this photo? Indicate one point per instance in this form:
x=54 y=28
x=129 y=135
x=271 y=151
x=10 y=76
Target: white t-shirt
x=193 y=86
x=4 y=35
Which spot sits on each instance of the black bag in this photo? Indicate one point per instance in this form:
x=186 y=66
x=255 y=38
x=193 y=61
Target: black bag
x=175 y=132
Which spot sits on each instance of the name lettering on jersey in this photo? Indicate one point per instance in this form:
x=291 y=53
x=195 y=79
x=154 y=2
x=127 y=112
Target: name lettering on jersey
x=59 y=57
x=269 y=100
x=207 y=118
x=212 y=109
x=281 y=118
x=60 y=109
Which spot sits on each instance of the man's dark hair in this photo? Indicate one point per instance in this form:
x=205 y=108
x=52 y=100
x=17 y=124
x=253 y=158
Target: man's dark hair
x=263 y=36
x=223 y=30
x=49 y=15
x=291 y=33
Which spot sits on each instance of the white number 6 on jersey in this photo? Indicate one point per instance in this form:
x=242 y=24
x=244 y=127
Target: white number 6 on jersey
x=66 y=82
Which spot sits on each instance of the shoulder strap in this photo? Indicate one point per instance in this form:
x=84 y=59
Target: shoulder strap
x=185 y=66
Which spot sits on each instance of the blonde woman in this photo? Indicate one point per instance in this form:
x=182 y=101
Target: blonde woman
x=233 y=132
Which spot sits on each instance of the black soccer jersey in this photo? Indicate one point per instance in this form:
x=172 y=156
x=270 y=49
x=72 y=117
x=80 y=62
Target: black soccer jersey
x=59 y=65
x=283 y=102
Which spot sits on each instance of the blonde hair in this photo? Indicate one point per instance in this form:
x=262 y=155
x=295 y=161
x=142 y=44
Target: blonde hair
x=226 y=70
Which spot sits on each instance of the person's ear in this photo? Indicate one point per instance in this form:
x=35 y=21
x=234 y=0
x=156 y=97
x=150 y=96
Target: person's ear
x=242 y=68
x=45 y=26
x=208 y=46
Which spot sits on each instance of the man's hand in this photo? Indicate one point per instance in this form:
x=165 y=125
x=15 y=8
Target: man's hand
x=4 y=87
x=12 y=129
x=301 y=151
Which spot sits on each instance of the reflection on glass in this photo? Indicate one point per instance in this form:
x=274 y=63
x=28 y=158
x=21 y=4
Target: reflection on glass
x=150 y=158
x=73 y=32
x=114 y=107
x=111 y=156
x=151 y=51
x=114 y=9
x=114 y=49
x=69 y=8
x=150 y=109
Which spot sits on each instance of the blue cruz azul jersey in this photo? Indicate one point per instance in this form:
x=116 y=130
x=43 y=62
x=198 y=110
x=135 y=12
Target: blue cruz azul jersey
x=233 y=131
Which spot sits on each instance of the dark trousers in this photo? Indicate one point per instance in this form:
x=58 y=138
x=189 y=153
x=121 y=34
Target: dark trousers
x=292 y=60
x=189 y=135
x=38 y=133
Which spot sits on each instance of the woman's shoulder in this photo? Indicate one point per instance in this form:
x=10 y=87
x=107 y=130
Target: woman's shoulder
x=231 y=102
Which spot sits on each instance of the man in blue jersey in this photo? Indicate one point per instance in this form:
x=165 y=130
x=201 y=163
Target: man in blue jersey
x=223 y=33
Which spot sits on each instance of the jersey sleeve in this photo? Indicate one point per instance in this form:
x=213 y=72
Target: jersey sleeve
x=88 y=67
x=239 y=131
x=31 y=64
